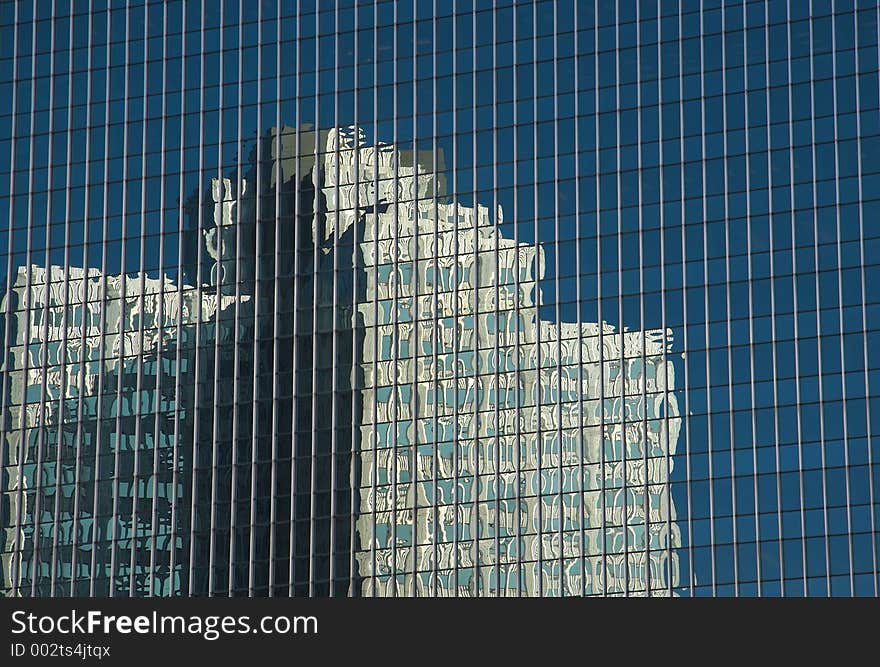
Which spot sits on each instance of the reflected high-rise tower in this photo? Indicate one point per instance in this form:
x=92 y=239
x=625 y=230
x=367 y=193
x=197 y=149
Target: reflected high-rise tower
x=499 y=454
x=349 y=392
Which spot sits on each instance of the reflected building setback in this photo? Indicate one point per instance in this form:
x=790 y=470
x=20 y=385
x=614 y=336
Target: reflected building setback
x=348 y=391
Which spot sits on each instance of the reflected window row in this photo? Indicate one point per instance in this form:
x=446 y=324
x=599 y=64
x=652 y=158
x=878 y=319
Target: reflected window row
x=713 y=243
x=798 y=522
x=31 y=211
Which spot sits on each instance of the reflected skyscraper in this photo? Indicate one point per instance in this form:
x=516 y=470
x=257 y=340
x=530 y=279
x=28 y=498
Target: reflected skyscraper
x=495 y=453
x=500 y=454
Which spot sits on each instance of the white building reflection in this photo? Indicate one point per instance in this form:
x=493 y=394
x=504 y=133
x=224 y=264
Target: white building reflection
x=500 y=454
x=495 y=453
x=94 y=479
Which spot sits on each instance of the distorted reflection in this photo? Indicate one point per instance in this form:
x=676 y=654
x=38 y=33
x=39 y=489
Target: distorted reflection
x=92 y=469
x=500 y=454
x=475 y=448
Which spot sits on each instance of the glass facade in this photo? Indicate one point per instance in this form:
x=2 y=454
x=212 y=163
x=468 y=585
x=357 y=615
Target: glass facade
x=439 y=298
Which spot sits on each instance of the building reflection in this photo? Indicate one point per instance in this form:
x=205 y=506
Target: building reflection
x=348 y=391
x=100 y=391
x=500 y=454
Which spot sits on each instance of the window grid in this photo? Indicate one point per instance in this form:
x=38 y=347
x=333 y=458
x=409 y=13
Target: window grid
x=525 y=218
